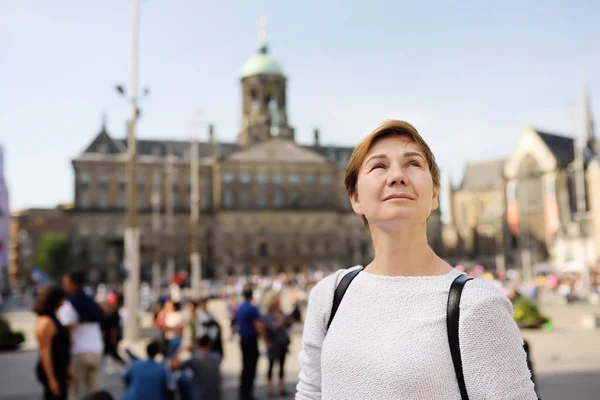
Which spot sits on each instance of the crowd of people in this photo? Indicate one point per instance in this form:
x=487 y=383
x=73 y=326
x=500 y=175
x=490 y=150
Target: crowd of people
x=78 y=335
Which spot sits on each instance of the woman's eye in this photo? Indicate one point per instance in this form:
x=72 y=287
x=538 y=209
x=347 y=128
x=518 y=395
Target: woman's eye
x=378 y=166
x=414 y=164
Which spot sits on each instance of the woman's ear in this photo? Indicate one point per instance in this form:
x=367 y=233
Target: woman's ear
x=355 y=201
x=435 y=203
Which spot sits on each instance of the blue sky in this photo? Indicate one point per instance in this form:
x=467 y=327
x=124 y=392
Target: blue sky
x=469 y=76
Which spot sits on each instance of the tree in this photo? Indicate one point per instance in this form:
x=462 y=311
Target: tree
x=52 y=255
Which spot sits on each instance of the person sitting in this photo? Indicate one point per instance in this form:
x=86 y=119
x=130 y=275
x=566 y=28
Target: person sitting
x=205 y=368
x=146 y=379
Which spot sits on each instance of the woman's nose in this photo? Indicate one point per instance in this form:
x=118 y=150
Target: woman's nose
x=396 y=176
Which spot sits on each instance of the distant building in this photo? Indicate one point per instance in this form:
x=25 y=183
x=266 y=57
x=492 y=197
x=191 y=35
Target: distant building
x=27 y=227
x=4 y=226
x=532 y=208
x=268 y=204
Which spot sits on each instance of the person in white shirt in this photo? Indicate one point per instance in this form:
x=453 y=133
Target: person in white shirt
x=82 y=316
x=388 y=339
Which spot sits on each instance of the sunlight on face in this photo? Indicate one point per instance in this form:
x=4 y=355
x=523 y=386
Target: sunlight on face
x=395 y=189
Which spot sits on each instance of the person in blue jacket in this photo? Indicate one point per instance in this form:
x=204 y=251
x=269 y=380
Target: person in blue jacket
x=147 y=379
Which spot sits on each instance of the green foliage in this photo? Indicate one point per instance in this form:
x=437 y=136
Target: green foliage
x=53 y=252
x=527 y=313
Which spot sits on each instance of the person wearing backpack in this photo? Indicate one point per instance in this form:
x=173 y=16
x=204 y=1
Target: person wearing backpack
x=393 y=333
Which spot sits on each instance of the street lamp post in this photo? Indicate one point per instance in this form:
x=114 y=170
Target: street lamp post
x=132 y=231
x=195 y=256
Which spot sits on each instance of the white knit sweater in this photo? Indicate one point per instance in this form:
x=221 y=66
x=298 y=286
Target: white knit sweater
x=388 y=340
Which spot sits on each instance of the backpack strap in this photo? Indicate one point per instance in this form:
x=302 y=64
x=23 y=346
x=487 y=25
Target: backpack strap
x=452 y=317
x=340 y=290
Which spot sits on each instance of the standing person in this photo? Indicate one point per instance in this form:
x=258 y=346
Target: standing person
x=250 y=327
x=111 y=332
x=146 y=379
x=276 y=325
x=189 y=320
x=82 y=316
x=173 y=325
x=389 y=338
x=206 y=324
x=205 y=368
x=54 y=344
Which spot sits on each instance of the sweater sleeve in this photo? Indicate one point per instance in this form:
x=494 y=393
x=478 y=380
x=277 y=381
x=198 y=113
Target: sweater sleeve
x=493 y=358
x=319 y=306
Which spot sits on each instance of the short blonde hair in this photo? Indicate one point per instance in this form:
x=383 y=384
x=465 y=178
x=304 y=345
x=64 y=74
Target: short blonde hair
x=269 y=300
x=386 y=129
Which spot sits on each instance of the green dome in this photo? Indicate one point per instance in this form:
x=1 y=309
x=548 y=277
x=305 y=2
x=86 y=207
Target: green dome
x=261 y=63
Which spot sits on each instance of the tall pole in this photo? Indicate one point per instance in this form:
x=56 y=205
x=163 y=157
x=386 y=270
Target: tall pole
x=132 y=231
x=582 y=216
x=195 y=258
x=169 y=200
x=156 y=230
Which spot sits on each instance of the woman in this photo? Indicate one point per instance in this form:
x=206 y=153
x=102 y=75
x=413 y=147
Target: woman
x=388 y=339
x=173 y=325
x=276 y=324
x=111 y=333
x=54 y=344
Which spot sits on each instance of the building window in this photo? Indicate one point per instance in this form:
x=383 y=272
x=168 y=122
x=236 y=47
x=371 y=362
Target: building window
x=310 y=178
x=121 y=198
x=84 y=177
x=261 y=199
x=103 y=148
x=325 y=179
x=294 y=178
x=277 y=178
x=244 y=177
x=227 y=177
x=84 y=197
x=156 y=179
x=121 y=177
x=278 y=198
x=102 y=198
x=244 y=199
x=261 y=177
x=140 y=180
x=141 y=199
x=227 y=198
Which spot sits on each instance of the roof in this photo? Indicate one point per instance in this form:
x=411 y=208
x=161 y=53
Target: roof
x=179 y=148
x=560 y=146
x=483 y=175
x=261 y=63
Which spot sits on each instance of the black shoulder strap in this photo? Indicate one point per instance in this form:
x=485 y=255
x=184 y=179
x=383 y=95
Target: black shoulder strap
x=452 y=315
x=340 y=290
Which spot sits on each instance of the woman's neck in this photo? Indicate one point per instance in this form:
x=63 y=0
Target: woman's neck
x=405 y=253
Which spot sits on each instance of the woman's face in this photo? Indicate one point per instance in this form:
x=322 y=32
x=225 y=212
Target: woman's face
x=394 y=188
